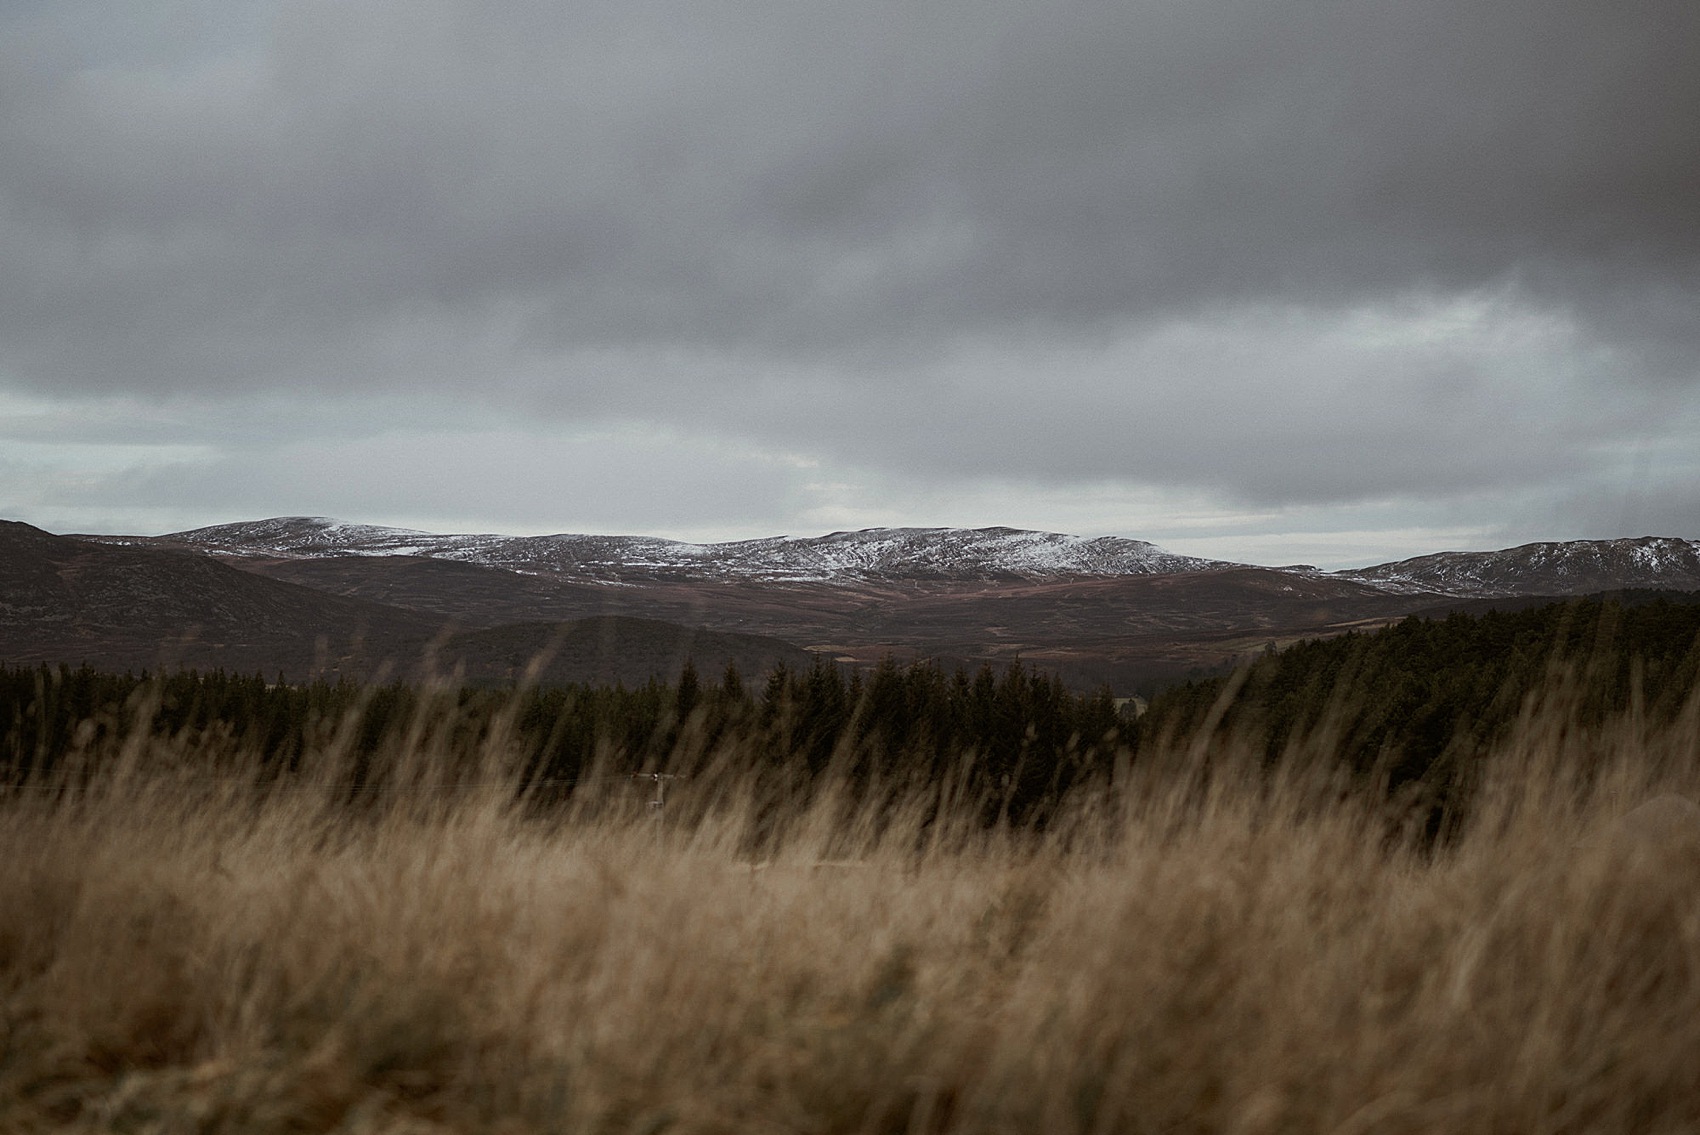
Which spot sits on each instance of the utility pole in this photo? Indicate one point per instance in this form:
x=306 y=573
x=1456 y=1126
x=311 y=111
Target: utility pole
x=660 y=780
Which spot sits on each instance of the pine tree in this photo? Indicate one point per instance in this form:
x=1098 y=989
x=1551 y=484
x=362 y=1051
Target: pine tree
x=689 y=691
x=732 y=684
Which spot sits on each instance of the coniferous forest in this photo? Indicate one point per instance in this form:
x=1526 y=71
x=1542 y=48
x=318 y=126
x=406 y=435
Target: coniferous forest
x=1421 y=702
x=1414 y=704
x=1016 y=738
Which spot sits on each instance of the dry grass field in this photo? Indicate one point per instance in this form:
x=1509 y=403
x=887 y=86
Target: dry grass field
x=185 y=948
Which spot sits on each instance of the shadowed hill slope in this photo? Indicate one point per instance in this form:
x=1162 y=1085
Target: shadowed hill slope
x=65 y=600
x=608 y=649
x=134 y=608
x=1132 y=632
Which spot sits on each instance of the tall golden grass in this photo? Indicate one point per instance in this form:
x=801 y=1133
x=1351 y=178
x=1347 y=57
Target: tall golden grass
x=1206 y=945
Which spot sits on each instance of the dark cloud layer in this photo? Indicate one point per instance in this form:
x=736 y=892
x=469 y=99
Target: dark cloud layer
x=807 y=176
x=1218 y=243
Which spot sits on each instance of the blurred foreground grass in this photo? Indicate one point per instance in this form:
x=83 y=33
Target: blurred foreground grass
x=1205 y=945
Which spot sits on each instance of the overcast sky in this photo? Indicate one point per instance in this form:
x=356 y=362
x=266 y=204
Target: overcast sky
x=1324 y=281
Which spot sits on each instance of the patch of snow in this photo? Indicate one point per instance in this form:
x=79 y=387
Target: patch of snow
x=870 y=553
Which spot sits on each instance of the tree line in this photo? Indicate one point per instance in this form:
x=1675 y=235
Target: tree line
x=1423 y=701
x=1417 y=703
x=1017 y=738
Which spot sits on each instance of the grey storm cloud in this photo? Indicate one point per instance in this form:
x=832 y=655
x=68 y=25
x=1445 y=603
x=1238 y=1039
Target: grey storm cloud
x=878 y=225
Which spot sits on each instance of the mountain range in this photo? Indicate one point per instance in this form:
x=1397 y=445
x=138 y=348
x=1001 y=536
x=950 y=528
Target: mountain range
x=942 y=554
x=871 y=554
x=310 y=595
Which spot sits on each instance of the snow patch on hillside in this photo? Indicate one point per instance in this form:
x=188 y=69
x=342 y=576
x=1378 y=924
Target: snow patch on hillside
x=916 y=553
x=1574 y=567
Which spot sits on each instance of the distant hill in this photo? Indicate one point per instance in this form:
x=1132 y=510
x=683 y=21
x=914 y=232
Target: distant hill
x=1431 y=694
x=1099 y=611
x=1574 y=567
x=145 y=606
x=897 y=555
x=610 y=649
x=66 y=600
x=872 y=554
x=1132 y=632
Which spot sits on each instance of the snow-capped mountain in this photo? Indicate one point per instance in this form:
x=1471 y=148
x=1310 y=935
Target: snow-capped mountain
x=1105 y=610
x=874 y=553
x=1572 y=567
x=1575 y=567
